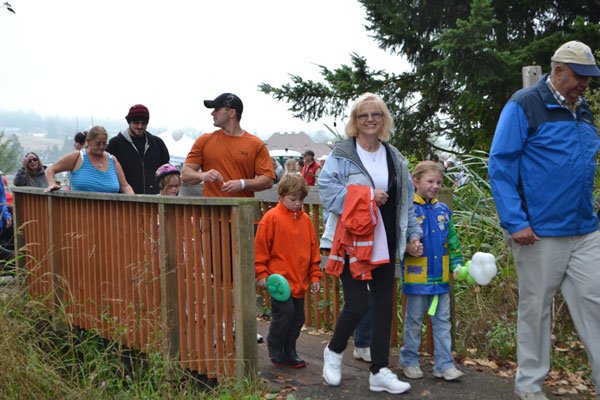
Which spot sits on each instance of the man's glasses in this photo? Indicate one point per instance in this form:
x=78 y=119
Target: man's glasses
x=365 y=117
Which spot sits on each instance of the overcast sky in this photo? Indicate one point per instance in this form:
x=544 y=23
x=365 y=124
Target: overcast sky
x=83 y=58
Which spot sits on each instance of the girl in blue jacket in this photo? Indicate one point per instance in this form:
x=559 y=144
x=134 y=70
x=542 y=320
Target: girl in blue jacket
x=426 y=279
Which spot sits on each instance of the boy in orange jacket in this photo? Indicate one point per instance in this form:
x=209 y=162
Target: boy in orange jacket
x=286 y=244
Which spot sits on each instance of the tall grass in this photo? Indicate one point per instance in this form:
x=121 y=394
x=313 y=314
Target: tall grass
x=40 y=361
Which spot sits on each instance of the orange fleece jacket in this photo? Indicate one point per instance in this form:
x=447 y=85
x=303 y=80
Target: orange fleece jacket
x=286 y=244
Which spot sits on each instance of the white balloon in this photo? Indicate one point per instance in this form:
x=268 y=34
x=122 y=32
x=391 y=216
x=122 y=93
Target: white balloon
x=177 y=134
x=483 y=267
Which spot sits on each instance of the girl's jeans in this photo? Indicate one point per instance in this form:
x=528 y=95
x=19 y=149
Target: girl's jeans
x=416 y=308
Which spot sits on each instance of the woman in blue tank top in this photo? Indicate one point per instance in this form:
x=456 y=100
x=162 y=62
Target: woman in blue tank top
x=92 y=168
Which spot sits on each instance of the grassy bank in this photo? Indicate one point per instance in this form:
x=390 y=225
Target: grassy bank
x=40 y=362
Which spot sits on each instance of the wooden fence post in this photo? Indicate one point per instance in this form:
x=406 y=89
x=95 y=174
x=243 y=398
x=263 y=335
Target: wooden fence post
x=531 y=75
x=246 y=352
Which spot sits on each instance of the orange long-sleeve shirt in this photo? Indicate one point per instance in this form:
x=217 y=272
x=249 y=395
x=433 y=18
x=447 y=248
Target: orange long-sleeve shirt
x=286 y=244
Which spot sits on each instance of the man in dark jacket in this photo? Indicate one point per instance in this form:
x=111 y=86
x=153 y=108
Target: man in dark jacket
x=139 y=152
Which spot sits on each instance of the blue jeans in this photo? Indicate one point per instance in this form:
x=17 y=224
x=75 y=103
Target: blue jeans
x=362 y=333
x=416 y=308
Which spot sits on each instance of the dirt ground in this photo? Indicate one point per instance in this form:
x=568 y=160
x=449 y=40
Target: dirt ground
x=478 y=382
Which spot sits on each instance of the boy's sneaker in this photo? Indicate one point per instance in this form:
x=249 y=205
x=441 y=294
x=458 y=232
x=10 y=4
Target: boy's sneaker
x=451 y=374
x=332 y=367
x=362 y=353
x=413 y=372
x=386 y=380
x=530 y=395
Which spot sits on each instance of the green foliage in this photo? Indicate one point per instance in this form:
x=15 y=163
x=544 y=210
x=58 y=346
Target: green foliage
x=41 y=362
x=466 y=58
x=10 y=153
x=502 y=339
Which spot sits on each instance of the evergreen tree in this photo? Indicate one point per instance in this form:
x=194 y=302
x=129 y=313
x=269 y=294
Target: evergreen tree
x=466 y=55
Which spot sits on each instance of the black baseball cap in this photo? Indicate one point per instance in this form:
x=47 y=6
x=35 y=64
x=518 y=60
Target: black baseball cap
x=228 y=100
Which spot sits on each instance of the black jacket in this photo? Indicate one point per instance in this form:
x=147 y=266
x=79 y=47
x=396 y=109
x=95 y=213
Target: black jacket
x=139 y=169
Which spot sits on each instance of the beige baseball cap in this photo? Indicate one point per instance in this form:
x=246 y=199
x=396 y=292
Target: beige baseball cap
x=579 y=57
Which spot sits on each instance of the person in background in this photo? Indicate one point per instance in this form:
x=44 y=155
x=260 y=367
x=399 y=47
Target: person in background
x=79 y=140
x=6 y=229
x=322 y=160
x=139 y=152
x=31 y=172
x=542 y=165
x=310 y=170
x=92 y=169
x=299 y=165
x=279 y=172
x=426 y=279
x=230 y=161
x=291 y=166
x=9 y=196
x=286 y=244
x=366 y=171
x=168 y=179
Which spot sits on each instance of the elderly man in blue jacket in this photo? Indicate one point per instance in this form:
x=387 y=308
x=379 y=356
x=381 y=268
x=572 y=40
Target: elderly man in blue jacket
x=542 y=166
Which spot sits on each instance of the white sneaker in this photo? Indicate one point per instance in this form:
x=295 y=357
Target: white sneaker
x=451 y=374
x=362 y=353
x=413 y=372
x=386 y=380
x=332 y=367
x=530 y=395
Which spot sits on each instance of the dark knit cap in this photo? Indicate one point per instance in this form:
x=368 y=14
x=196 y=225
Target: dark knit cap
x=138 y=112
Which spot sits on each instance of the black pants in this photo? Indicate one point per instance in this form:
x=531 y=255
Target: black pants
x=355 y=307
x=287 y=318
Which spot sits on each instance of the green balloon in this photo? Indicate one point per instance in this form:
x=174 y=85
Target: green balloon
x=463 y=272
x=278 y=287
x=471 y=280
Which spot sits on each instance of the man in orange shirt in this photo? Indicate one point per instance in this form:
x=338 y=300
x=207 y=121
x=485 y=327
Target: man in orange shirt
x=230 y=161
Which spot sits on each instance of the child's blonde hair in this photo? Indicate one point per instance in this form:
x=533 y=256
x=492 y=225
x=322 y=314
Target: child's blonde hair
x=426 y=166
x=165 y=181
x=292 y=184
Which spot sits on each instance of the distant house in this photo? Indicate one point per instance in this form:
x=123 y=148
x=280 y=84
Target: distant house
x=299 y=142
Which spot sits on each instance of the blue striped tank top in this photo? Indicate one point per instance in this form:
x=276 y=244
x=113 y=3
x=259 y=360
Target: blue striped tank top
x=89 y=179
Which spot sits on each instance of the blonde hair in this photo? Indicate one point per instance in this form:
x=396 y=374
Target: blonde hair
x=290 y=166
x=359 y=105
x=164 y=182
x=426 y=166
x=292 y=184
x=95 y=132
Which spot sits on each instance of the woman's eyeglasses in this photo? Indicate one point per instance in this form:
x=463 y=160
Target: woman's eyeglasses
x=32 y=160
x=365 y=117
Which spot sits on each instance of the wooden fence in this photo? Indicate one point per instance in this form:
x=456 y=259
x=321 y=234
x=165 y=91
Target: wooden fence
x=172 y=274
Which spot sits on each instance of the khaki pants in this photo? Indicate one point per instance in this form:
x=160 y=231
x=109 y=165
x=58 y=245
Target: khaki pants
x=571 y=264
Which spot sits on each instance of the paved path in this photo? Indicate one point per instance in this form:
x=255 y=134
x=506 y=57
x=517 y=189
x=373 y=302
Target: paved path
x=307 y=383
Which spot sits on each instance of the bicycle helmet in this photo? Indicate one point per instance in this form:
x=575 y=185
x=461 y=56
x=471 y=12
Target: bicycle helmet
x=164 y=170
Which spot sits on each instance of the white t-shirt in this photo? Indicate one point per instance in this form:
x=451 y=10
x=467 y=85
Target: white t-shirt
x=376 y=165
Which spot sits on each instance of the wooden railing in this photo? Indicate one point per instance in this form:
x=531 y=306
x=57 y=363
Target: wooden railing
x=174 y=274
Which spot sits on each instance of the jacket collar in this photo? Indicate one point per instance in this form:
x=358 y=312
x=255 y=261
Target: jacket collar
x=419 y=200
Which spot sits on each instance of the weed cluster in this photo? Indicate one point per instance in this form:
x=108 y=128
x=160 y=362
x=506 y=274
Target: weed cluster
x=40 y=361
